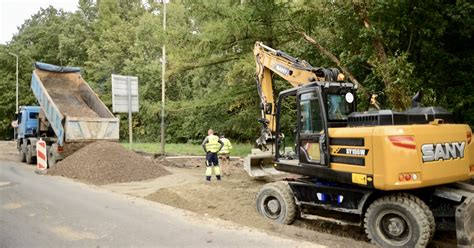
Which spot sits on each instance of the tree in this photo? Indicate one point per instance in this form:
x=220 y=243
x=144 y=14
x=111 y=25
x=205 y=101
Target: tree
x=393 y=49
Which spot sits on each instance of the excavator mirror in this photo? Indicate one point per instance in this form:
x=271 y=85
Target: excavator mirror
x=268 y=108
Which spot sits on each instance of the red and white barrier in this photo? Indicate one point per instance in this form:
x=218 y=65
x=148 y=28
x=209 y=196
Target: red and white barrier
x=41 y=157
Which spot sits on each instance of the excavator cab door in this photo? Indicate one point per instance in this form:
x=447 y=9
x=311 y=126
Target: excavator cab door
x=311 y=145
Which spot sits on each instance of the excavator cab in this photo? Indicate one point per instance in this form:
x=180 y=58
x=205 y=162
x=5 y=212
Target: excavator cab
x=319 y=106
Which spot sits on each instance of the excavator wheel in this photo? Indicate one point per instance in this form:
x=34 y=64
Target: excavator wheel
x=275 y=201
x=399 y=220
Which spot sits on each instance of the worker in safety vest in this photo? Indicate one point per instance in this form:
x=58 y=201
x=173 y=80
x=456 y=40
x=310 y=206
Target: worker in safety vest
x=224 y=153
x=212 y=145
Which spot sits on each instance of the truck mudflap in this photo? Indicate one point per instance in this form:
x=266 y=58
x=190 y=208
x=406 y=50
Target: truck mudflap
x=462 y=192
x=465 y=223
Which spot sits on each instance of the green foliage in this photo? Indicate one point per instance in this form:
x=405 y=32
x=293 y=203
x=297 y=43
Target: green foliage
x=210 y=67
x=399 y=72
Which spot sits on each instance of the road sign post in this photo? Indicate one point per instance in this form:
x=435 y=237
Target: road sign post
x=129 y=93
x=125 y=99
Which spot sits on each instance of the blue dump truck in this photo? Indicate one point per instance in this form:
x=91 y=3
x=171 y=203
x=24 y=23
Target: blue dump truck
x=69 y=116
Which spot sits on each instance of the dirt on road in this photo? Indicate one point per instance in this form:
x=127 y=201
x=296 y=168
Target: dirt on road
x=232 y=199
x=8 y=151
x=183 y=186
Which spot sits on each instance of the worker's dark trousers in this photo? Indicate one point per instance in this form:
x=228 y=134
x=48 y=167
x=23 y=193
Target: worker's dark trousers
x=212 y=164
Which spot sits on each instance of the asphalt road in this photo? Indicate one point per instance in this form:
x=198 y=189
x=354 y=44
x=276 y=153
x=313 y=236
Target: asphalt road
x=46 y=211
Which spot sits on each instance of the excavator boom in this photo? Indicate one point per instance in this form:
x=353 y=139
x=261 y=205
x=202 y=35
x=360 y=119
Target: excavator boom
x=296 y=72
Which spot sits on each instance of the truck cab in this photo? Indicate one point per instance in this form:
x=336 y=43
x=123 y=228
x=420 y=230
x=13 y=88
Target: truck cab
x=26 y=126
x=27 y=122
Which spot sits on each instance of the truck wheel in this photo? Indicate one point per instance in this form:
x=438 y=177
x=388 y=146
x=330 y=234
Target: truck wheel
x=399 y=220
x=275 y=201
x=51 y=159
x=22 y=154
x=29 y=156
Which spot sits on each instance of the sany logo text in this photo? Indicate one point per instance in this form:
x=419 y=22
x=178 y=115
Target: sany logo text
x=445 y=151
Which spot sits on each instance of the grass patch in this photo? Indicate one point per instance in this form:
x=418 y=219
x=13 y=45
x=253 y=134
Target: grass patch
x=240 y=150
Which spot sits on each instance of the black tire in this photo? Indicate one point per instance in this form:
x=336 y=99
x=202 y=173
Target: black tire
x=22 y=154
x=51 y=159
x=399 y=220
x=29 y=158
x=427 y=210
x=275 y=201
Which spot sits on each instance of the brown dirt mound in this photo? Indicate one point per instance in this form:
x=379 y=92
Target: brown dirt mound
x=107 y=162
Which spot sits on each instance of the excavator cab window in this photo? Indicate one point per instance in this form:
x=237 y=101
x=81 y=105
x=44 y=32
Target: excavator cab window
x=310 y=122
x=338 y=107
x=288 y=126
x=311 y=141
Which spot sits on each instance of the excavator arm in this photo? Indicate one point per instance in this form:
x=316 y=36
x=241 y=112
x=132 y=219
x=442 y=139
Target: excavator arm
x=296 y=72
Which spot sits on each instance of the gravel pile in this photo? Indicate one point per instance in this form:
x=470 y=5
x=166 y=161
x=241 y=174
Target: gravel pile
x=105 y=163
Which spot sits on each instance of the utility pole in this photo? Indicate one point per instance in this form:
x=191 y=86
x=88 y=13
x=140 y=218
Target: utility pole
x=163 y=88
x=130 y=131
x=16 y=56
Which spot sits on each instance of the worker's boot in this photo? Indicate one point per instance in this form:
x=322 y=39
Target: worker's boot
x=217 y=172
x=208 y=172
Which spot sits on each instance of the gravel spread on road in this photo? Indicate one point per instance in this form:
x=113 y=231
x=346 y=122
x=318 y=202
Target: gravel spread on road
x=107 y=162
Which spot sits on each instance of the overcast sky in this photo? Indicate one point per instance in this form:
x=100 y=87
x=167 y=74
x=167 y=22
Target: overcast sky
x=14 y=12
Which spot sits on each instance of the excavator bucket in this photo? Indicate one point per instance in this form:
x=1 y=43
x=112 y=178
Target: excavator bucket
x=465 y=223
x=465 y=217
x=462 y=192
x=260 y=164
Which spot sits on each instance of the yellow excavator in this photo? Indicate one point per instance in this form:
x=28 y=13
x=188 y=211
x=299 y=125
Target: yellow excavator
x=401 y=175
